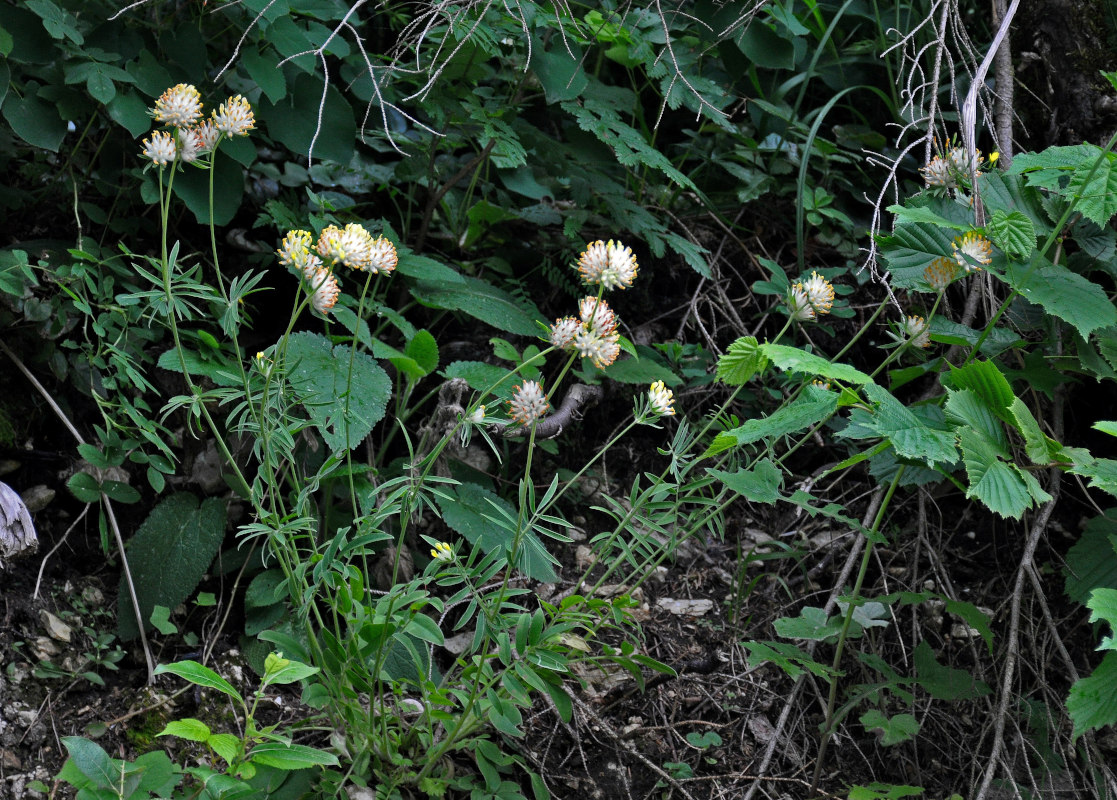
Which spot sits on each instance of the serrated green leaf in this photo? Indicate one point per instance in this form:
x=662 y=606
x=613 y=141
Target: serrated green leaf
x=1092 y=561
x=1000 y=486
x=1096 y=188
x=344 y=413
x=792 y=359
x=894 y=730
x=988 y=382
x=192 y=730
x=1103 y=608
x=1063 y=293
x=966 y=408
x=1038 y=447
x=225 y=745
x=807 y=410
x=761 y=484
x=1013 y=232
x=740 y=362
x=910 y=250
x=911 y=437
x=1093 y=700
x=169 y=555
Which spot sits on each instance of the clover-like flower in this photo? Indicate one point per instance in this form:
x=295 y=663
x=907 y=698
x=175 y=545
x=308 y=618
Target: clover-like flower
x=821 y=384
x=324 y=291
x=351 y=246
x=798 y=304
x=179 y=106
x=206 y=134
x=476 y=416
x=662 y=399
x=160 y=148
x=188 y=150
x=602 y=350
x=234 y=117
x=528 y=403
x=564 y=330
x=940 y=172
x=609 y=264
x=820 y=293
x=917 y=331
x=597 y=316
x=952 y=169
x=940 y=273
x=294 y=251
x=442 y=552
x=970 y=248
x=382 y=255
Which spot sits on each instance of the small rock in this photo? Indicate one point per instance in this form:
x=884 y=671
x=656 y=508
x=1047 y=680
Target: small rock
x=56 y=628
x=685 y=608
x=44 y=649
x=93 y=596
x=10 y=760
x=659 y=574
x=37 y=497
x=584 y=557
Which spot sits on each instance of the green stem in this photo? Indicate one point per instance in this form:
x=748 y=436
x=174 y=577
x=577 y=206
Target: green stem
x=828 y=724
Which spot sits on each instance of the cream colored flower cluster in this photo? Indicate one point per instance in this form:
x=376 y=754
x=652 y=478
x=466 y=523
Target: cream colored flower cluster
x=180 y=109
x=351 y=246
x=593 y=334
x=811 y=298
x=951 y=169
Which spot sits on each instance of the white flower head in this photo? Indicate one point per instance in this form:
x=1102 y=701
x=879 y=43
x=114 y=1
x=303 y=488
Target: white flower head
x=234 y=117
x=179 y=106
x=662 y=399
x=609 y=264
x=597 y=316
x=601 y=350
x=528 y=403
x=351 y=246
x=382 y=255
x=820 y=293
x=564 y=330
x=940 y=273
x=294 y=251
x=206 y=134
x=477 y=416
x=970 y=248
x=324 y=291
x=188 y=149
x=916 y=330
x=160 y=148
x=798 y=305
